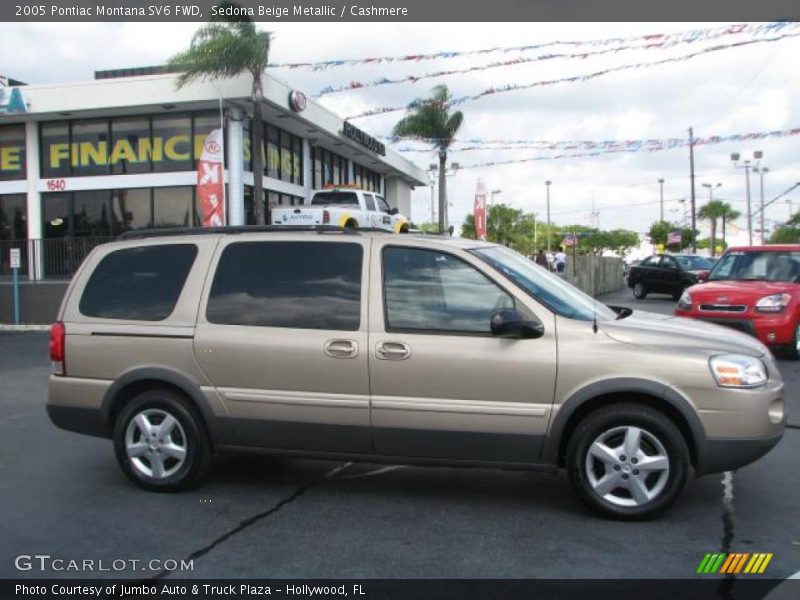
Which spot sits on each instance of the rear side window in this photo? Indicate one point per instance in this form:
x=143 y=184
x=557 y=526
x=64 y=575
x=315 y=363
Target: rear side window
x=325 y=198
x=302 y=285
x=370 y=202
x=138 y=284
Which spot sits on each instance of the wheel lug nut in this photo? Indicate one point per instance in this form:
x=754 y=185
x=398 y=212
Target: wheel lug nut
x=622 y=458
x=624 y=475
x=616 y=467
x=636 y=471
x=634 y=460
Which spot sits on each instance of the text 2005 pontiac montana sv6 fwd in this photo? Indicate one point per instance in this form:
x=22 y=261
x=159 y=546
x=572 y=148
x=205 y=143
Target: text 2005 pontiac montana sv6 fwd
x=397 y=348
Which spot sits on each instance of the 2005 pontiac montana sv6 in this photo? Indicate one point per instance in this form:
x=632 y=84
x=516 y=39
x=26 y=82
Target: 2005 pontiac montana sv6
x=409 y=349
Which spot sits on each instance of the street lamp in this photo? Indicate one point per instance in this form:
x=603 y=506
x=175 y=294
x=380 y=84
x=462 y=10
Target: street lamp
x=791 y=212
x=757 y=155
x=433 y=170
x=661 y=195
x=547 y=187
x=493 y=194
x=710 y=189
x=761 y=171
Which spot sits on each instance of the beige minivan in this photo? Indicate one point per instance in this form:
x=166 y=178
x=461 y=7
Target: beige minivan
x=405 y=349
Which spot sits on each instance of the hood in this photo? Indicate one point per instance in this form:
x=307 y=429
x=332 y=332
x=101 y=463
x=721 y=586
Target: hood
x=740 y=292
x=651 y=329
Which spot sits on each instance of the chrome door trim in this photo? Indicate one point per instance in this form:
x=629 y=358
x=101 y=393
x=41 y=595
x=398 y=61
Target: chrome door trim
x=476 y=407
x=295 y=398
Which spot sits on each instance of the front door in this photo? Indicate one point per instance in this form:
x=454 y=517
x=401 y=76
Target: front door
x=282 y=335
x=442 y=386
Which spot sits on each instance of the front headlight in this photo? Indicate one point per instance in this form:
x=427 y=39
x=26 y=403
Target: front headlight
x=685 y=301
x=774 y=303
x=736 y=370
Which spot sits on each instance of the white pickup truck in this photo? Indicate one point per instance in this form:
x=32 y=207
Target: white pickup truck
x=343 y=207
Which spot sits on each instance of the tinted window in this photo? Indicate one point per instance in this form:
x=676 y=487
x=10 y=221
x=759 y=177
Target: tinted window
x=695 y=263
x=369 y=201
x=428 y=290
x=382 y=206
x=304 y=285
x=324 y=198
x=140 y=284
x=650 y=261
x=759 y=265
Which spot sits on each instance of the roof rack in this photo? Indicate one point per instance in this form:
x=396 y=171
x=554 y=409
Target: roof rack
x=233 y=230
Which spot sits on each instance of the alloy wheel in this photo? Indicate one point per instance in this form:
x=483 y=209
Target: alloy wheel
x=627 y=466
x=155 y=443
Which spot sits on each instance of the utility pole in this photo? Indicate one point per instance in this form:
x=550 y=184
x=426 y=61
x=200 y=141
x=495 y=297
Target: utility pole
x=691 y=174
x=547 y=186
x=761 y=170
x=661 y=186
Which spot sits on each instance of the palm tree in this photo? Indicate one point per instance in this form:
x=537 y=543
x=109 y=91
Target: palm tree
x=226 y=48
x=712 y=212
x=431 y=121
x=730 y=214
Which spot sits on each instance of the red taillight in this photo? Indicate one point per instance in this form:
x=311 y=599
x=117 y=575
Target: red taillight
x=326 y=217
x=57 y=346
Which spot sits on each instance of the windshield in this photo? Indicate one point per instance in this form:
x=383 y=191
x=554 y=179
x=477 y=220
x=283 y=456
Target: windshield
x=694 y=263
x=325 y=198
x=758 y=265
x=561 y=297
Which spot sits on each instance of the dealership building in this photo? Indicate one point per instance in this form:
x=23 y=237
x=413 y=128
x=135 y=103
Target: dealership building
x=81 y=163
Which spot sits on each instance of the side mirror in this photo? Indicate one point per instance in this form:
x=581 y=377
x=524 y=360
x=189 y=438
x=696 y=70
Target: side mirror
x=702 y=276
x=509 y=323
x=393 y=211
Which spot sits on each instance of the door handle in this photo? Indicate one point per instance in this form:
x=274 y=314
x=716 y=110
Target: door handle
x=392 y=350
x=341 y=348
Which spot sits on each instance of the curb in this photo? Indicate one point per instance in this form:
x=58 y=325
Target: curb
x=7 y=327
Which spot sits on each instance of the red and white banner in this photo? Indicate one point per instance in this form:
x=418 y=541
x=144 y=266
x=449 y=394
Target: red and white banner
x=479 y=211
x=209 y=181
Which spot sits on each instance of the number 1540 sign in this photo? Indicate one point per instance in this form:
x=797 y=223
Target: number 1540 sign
x=15 y=258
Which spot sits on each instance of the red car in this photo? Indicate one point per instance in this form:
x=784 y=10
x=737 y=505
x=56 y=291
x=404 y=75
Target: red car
x=753 y=289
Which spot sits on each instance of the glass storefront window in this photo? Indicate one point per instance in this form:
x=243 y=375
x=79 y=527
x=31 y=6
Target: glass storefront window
x=56 y=157
x=56 y=210
x=12 y=152
x=328 y=168
x=131 y=148
x=172 y=137
x=132 y=209
x=174 y=207
x=272 y=168
x=13 y=217
x=90 y=147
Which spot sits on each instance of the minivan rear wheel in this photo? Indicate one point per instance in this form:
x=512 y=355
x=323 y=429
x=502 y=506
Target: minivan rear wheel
x=628 y=461
x=160 y=443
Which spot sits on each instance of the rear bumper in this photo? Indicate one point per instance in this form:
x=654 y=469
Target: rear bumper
x=729 y=454
x=90 y=421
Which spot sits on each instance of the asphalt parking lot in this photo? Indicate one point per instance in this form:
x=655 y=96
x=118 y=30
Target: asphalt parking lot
x=61 y=494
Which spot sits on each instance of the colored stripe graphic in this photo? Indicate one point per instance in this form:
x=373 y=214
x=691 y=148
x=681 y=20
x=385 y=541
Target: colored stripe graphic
x=734 y=562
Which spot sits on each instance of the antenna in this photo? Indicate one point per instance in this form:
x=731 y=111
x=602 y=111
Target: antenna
x=594 y=293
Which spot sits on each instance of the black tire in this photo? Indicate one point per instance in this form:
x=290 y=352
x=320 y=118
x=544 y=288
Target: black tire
x=639 y=291
x=666 y=486
x=351 y=225
x=188 y=433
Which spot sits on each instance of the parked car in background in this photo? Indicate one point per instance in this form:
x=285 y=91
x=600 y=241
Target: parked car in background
x=404 y=349
x=629 y=265
x=344 y=207
x=755 y=290
x=667 y=274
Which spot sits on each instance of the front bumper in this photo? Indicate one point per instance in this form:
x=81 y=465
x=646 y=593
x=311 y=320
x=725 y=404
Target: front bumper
x=769 y=329
x=729 y=454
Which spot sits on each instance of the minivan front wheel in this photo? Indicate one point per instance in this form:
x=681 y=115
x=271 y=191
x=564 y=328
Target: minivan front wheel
x=160 y=443
x=627 y=461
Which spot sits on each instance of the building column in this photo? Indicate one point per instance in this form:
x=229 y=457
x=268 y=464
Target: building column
x=235 y=152
x=308 y=184
x=34 y=202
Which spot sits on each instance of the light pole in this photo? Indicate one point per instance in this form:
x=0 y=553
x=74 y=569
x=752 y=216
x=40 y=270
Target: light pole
x=710 y=189
x=432 y=168
x=493 y=194
x=661 y=196
x=761 y=171
x=747 y=166
x=791 y=212
x=547 y=187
